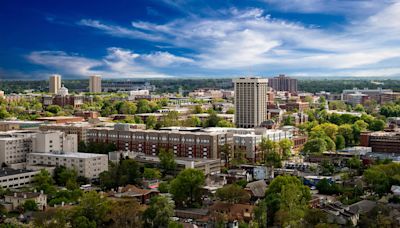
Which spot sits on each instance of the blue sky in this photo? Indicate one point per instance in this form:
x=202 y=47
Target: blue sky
x=199 y=38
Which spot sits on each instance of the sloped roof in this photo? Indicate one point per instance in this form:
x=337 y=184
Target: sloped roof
x=257 y=188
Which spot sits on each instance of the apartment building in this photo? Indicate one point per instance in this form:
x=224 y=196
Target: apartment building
x=95 y=84
x=190 y=144
x=14 y=146
x=13 y=201
x=16 y=178
x=381 y=142
x=54 y=83
x=283 y=83
x=79 y=129
x=250 y=101
x=86 y=164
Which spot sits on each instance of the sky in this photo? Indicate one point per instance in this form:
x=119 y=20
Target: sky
x=199 y=38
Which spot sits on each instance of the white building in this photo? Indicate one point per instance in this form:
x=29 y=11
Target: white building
x=86 y=164
x=14 y=200
x=54 y=83
x=16 y=178
x=14 y=146
x=55 y=141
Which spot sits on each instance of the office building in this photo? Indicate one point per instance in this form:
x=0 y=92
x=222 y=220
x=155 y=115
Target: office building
x=79 y=129
x=95 y=84
x=54 y=83
x=381 y=142
x=283 y=83
x=250 y=102
x=191 y=143
x=16 y=178
x=86 y=164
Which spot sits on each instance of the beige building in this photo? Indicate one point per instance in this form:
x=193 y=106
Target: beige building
x=95 y=84
x=250 y=101
x=54 y=83
x=14 y=146
x=14 y=200
x=79 y=129
x=16 y=178
x=86 y=164
x=55 y=141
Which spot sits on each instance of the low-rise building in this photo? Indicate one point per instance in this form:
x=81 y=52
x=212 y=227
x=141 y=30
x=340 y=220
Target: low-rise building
x=86 y=164
x=14 y=200
x=16 y=178
x=381 y=142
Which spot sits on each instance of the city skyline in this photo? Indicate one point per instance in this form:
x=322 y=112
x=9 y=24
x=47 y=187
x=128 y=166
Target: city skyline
x=185 y=39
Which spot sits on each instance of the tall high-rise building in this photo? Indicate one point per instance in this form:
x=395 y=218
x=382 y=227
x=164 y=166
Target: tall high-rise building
x=283 y=83
x=95 y=84
x=250 y=101
x=54 y=83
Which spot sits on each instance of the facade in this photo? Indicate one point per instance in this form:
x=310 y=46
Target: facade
x=63 y=99
x=54 y=83
x=78 y=129
x=61 y=119
x=379 y=95
x=16 y=178
x=14 y=147
x=207 y=145
x=381 y=142
x=14 y=200
x=86 y=164
x=250 y=101
x=283 y=83
x=55 y=141
x=95 y=84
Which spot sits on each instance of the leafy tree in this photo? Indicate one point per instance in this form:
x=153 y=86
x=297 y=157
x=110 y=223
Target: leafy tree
x=151 y=173
x=325 y=187
x=381 y=177
x=167 y=160
x=44 y=181
x=314 y=217
x=316 y=145
x=346 y=130
x=285 y=146
x=126 y=172
x=359 y=108
x=151 y=122
x=286 y=194
x=127 y=107
x=225 y=123
x=163 y=187
x=340 y=142
x=377 y=125
x=260 y=214
x=159 y=212
x=212 y=120
x=83 y=222
x=54 y=109
x=233 y=193
x=30 y=205
x=192 y=121
x=126 y=213
x=93 y=207
x=186 y=186
x=337 y=105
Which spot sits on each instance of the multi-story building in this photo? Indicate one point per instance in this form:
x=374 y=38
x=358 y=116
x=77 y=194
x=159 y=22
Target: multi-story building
x=16 y=178
x=250 y=101
x=373 y=94
x=15 y=200
x=190 y=144
x=79 y=129
x=55 y=141
x=86 y=164
x=298 y=106
x=75 y=101
x=381 y=142
x=126 y=85
x=283 y=83
x=14 y=146
x=54 y=83
x=95 y=84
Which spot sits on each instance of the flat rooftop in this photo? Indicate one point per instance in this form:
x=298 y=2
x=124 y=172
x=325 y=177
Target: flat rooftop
x=70 y=155
x=8 y=171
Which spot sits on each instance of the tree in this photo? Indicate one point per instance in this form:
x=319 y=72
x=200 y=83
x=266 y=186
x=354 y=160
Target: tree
x=126 y=213
x=286 y=145
x=225 y=123
x=377 y=125
x=83 y=222
x=346 y=130
x=212 y=120
x=233 y=193
x=316 y=145
x=53 y=109
x=167 y=160
x=127 y=107
x=151 y=122
x=150 y=173
x=324 y=186
x=286 y=194
x=159 y=212
x=340 y=142
x=94 y=207
x=359 y=108
x=186 y=186
x=381 y=177
x=192 y=121
x=66 y=177
x=143 y=106
x=30 y=205
x=44 y=181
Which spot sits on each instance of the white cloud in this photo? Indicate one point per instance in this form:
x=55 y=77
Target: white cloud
x=118 y=63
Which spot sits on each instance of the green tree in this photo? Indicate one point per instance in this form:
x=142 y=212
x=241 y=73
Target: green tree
x=212 y=120
x=94 y=207
x=233 y=193
x=30 y=205
x=359 y=108
x=83 y=222
x=377 y=125
x=167 y=160
x=126 y=213
x=285 y=146
x=151 y=122
x=127 y=107
x=54 y=109
x=159 y=212
x=346 y=130
x=225 y=123
x=186 y=186
x=44 y=181
x=340 y=142
x=316 y=145
x=151 y=173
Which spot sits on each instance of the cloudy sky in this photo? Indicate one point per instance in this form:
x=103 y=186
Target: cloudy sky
x=199 y=38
